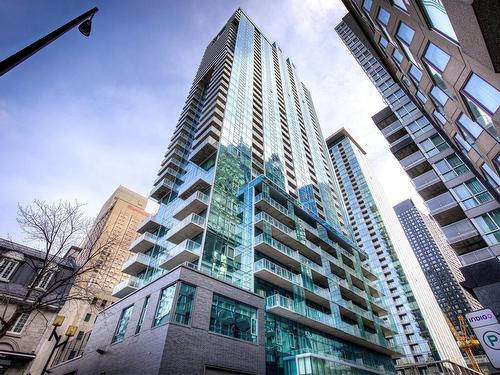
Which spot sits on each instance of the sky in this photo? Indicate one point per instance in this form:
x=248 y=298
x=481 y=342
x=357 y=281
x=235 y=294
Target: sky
x=85 y=115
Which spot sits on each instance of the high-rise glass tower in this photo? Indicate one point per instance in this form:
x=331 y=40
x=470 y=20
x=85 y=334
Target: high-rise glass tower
x=247 y=194
x=390 y=259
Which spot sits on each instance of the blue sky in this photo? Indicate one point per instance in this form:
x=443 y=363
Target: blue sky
x=85 y=115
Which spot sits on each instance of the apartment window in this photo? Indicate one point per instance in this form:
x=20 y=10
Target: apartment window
x=121 y=327
x=439 y=96
x=367 y=5
x=44 y=281
x=234 y=319
x=471 y=193
x=406 y=111
x=437 y=18
x=383 y=42
x=7 y=268
x=471 y=129
x=436 y=57
x=397 y=56
x=415 y=73
x=87 y=317
x=421 y=97
x=482 y=99
x=440 y=117
x=451 y=167
x=419 y=126
x=462 y=143
x=396 y=97
x=143 y=313
x=399 y=4
x=491 y=176
x=489 y=226
x=183 y=310
x=405 y=33
x=383 y=16
x=20 y=323
x=433 y=145
x=164 y=305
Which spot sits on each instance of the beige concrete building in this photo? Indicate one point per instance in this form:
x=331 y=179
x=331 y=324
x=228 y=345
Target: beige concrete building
x=113 y=231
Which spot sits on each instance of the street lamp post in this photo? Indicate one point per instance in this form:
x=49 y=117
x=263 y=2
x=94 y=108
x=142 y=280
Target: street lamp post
x=70 y=332
x=84 y=21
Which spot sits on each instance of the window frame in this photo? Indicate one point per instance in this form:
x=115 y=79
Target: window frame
x=8 y=277
x=11 y=331
x=114 y=338
x=431 y=26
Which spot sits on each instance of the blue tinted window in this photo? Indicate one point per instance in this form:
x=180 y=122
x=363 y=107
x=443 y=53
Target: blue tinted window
x=421 y=97
x=483 y=93
x=439 y=95
x=367 y=5
x=399 y=4
x=438 y=18
x=416 y=73
x=469 y=126
x=405 y=33
x=383 y=42
x=439 y=117
x=397 y=56
x=437 y=57
x=383 y=16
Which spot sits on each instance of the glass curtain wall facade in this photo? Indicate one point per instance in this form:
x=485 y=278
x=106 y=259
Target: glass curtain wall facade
x=371 y=234
x=462 y=200
x=247 y=195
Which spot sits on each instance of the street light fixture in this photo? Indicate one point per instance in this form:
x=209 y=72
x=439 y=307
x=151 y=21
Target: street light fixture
x=84 y=22
x=70 y=332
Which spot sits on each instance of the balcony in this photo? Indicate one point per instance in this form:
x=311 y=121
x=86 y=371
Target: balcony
x=200 y=180
x=429 y=185
x=287 y=235
x=276 y=250
x=163 y=188
x=415 y=164
x=196 y=203
x=126 y=287
x=204 y=151
x=186 y=251
x=318 y=295
x=143 y=243
x=403 y=147
x=463 y=236
x=283 y=306
x=273 y=208
x=175 y=154
x=277 y=275
x=150 y=224
x=288 y=308
x=188 y=228
x=392 y=128
x=169 y=174
x=135 y=264
x=445 y=209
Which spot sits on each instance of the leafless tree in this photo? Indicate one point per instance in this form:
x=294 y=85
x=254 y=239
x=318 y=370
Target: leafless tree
x=54 y=229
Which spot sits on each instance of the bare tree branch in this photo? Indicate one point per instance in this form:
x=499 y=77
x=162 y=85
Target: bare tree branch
x=54 y=228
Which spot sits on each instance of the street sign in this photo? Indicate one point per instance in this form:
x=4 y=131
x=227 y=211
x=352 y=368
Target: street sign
x=487 y=330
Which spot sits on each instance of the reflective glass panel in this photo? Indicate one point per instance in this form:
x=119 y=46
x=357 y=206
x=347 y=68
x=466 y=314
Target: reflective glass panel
x=438 y=18
x=437 y=57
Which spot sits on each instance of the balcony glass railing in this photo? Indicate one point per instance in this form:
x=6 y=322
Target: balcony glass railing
x=132 y=282
x=191 y=219
x=277 y=270
x=137 y=258
x=186 y=245
x=272 y=203
x=263 y=238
